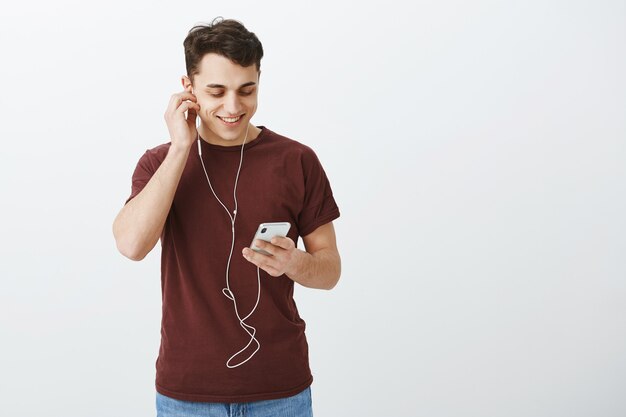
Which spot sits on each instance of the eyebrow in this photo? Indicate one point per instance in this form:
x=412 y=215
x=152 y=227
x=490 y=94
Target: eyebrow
x=223 y=86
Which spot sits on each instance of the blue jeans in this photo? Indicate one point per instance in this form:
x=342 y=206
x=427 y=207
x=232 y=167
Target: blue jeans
x=298 y=405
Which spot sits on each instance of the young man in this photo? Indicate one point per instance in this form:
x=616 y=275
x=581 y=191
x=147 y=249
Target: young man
x=231 y=335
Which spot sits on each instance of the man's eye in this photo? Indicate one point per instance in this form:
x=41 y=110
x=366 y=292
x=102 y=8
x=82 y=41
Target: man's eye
x=243 y=93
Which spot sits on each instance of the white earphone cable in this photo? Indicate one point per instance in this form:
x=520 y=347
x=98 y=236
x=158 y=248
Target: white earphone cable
x=227 y=291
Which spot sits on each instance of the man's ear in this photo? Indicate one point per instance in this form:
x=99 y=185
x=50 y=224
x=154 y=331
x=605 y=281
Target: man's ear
x=186 y=82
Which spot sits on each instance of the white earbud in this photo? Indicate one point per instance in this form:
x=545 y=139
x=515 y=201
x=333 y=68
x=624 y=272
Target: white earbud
x=197 y=127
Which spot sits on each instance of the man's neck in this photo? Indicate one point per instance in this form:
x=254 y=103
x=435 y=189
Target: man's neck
x=212 y=138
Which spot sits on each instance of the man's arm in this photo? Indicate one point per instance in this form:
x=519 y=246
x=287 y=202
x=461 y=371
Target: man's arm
x=318 y=267
x=139 y=224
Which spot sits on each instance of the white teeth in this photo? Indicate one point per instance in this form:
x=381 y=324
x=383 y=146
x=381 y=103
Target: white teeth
x=230 y=119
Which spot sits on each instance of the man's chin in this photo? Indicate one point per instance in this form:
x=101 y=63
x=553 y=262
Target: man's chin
x=229 y=134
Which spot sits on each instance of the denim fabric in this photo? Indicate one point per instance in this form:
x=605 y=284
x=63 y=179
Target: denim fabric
x=298 y=405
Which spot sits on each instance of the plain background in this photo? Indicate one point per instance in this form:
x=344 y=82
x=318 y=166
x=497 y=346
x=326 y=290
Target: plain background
x=477 y=151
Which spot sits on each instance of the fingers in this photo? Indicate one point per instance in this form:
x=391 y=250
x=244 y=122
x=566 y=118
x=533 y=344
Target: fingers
x=187 y=105
x=261 y=244
x=265 y=262
x=181 y=126
x=277 y=246
x=192 y=110
x=182 y=102
x=184 y=95
x=282 y=242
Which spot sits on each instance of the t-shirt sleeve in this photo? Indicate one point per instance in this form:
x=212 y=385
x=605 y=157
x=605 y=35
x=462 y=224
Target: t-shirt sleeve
x=146 y=167
x=319 y=205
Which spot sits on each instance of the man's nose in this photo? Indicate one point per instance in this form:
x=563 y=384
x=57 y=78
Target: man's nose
x=232 y=105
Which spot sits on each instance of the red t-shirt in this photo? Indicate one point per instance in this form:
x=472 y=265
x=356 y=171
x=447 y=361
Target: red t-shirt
x=280 y=180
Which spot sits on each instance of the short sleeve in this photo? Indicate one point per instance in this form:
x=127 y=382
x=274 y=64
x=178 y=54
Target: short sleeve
x=143 y=172
x=319 y=206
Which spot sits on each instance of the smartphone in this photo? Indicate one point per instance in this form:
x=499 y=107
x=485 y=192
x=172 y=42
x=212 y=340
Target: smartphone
x=267 y=231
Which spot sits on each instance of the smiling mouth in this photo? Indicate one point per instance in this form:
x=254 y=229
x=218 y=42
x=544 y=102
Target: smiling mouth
x=231 y=119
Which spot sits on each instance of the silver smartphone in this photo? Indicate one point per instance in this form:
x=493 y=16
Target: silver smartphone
x=267 y=231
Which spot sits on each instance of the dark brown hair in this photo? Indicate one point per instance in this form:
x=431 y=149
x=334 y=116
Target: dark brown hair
x=228 y=38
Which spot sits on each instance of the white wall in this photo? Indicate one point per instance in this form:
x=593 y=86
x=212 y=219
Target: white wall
x=477 y=151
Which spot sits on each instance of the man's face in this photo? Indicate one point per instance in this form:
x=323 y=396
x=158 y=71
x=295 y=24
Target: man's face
x=225 y=90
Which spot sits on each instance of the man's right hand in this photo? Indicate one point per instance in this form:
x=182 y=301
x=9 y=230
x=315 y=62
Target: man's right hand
x=182 y=130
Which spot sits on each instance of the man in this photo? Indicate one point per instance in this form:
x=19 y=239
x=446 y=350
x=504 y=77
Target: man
x=203 y=195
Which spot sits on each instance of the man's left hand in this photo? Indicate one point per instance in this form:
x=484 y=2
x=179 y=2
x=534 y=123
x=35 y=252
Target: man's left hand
x=283 y=258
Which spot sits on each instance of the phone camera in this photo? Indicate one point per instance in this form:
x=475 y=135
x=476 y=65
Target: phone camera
x=263 y=230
